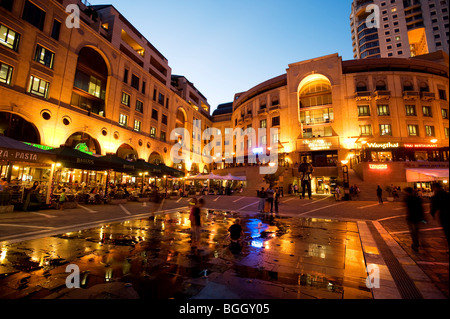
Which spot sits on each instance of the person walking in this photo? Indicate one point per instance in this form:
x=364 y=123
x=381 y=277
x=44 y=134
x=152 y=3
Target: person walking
x=195 y=219
x=337 y=193
x=414 y=217
x=296 y=189
x=276 y=199
x=270 y=194
x=236 y=231
x=439 y=203
x=380 y=195
x=62 y=199
x=306 y=170
x=262 y=199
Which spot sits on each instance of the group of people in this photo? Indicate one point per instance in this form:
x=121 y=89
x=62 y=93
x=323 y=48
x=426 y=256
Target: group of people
x=269 y=199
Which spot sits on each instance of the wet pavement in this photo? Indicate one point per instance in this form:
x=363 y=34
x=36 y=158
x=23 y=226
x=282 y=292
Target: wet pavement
x=281 y=257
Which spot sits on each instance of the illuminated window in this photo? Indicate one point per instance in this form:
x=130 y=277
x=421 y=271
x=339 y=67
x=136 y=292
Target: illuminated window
x=383 y=110
x=95 y=87
x=5 y=73
x=413 y=130
x=38 y=87
x=385 y=130
x=153 y=132
x=275 y=138
x=123 y=119
x=44 y=56
x=429 y=131
x=315 y=93
x=263 y=123
x=140 y=106
x=9 y=38
x=137 y=125
x=446 y=131
x=366 y=130
x=427 y=111
x=410 y=110
x=444 y=114
x=363 y=110
x=125 y=99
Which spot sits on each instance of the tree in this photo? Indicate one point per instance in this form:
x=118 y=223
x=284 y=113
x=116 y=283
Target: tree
x=272 y=179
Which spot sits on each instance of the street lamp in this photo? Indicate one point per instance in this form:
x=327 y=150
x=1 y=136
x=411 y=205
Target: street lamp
x=345 y=178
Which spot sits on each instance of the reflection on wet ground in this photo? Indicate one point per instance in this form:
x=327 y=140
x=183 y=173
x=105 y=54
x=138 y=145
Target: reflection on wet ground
x=288 y=258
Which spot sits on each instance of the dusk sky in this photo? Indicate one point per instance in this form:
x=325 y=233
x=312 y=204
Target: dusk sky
x=225 y=47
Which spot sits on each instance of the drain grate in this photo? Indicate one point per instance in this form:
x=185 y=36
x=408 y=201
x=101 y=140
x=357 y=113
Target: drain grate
x=405 y=285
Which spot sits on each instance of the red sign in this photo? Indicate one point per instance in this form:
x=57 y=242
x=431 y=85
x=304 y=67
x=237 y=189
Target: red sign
x=378 y=166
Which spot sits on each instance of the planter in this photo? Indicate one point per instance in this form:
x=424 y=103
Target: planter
x=70 y=205
x=143 y=199
x=119 y=201
x=6 y=209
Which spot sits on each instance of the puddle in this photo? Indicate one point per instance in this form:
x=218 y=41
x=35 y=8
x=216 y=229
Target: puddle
x=153 y=256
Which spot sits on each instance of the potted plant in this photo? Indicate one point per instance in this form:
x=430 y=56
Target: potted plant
x=389 y=190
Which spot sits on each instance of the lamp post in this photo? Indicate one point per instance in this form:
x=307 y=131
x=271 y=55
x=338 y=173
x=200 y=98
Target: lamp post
x=345 y=179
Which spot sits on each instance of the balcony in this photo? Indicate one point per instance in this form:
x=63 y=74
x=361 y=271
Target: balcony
x=240 y=121
x=410 y=95
x=382 y=95
x=248 y=117
x=363 y=96
x=427 y=96
x=262 y=111
x=274 y=107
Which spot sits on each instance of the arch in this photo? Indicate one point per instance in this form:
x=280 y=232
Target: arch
x=380 y=85
x=408 y=86
x=91 y=81
x=424 y=87
x=155 y=158
x=17 y=127
x=361 y=86
x=84 y=142
x=98 y=51
x=314 y=90
x=128 y=152
x=181 y=118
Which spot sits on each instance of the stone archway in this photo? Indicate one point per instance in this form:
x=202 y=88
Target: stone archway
x=83 y=142
x=155 y=158
x=16 y=127
x=127 y=152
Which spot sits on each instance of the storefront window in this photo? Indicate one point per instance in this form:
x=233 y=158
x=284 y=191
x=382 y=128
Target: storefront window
x=421 y=156
x=381 y=156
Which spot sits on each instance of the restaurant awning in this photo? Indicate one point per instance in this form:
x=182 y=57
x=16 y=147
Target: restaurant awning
x=15 y=151
x=142 y=166
x=117 y=164
x=171 y=171
x=71 y=158
x=426 y=174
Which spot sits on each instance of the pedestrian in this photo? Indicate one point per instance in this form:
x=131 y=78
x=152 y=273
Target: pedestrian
x=337 y=193
x=296 y=189
x=380 y=195
x=195 y=219
x=62 y=199
x=352 y=191
x=439 y=203
x=270 y=194
x=306 y=170
x=236 y=231
x=357 y=191
x=414 y=217
x=262 y=199
x=276 y=199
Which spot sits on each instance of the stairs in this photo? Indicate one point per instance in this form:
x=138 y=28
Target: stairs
x=368 y=189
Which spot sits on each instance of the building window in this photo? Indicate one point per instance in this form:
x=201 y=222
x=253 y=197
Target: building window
x=135 y=82
x=263 y=140
x=34 y=15
x=7 y=4
x=161 y=99
x=383 y=110
x=38 y=87
x=140 y=106
x=125 y=99
x=410 y=110
x=123 y=119
x=275 y=138
x=137 y=125
x=56 y=29
x=413 y=130
x=315 y=94
x=366 y=130
x=363 y=110
x=163 y=136
x=446 y=131
x=442 y=94
x=5 y=73
x=153 y=132
x=95 y=87
x=429 y=131
x=144 y=84
x=44 y=56
x=444 y=114
x=427 y=111
x=276 y=121
x=155 y=114
x=125 y=76
x=164 y=119
x=263 y=123
x=385 y=130
x=9 y=38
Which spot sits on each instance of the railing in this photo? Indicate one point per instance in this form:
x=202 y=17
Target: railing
x=382 y=94
x=363 y=96
x=410 y=94
x=427 y=96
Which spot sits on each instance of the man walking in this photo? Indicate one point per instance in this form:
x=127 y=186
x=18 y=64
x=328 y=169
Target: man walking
x=414 y=216
x=439 y=203
x=380 y=195
x=306 y=170
x=270 y=194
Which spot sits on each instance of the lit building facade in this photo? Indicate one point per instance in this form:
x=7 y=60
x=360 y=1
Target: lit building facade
x=392 y=112
x=102 y=85
x=406 y=28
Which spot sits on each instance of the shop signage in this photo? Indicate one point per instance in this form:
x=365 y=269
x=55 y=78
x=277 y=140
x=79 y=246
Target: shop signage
x=18 y=156
x=42 y=147
x=420 y=145
x=82 y=147
x=378 y=166
x=85 y=161
x=383 y=145
x=318 y=144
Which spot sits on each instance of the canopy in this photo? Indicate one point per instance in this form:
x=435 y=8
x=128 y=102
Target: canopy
x=15 y=151
x=426 y=174
x=230 y=177
x=117 y=164
x=171 y=171
x=72 y=158
x=205 y=177
x=143 y=166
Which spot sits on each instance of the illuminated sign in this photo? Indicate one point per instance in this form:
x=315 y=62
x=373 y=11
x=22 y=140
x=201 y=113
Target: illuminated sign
x=420 y=145
x=82 y=147
x=258 y=150
x=42 y=147
x=383 y=145
x=318 y=144
x=378 y=166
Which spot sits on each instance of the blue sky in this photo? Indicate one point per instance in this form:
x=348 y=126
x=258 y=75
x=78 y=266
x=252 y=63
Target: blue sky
x=229 y=46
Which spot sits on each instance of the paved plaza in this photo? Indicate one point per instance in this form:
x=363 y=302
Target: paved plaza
x=315 y=248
